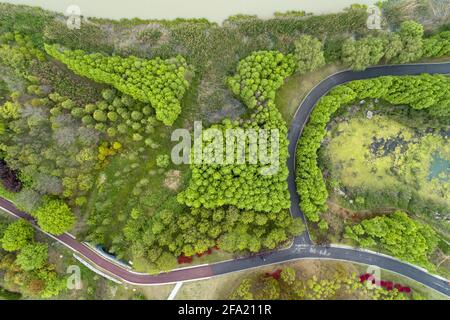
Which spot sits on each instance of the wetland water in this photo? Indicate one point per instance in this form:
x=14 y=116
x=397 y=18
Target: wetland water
x=213 y=10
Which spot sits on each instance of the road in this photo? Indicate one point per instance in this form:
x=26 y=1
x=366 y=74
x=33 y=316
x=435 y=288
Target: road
x=302 y=247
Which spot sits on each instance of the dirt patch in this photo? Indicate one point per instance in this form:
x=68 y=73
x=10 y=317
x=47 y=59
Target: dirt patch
x=173 y=180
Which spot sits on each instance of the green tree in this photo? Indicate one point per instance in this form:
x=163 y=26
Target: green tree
x=309 y=54
x=32 y=256
x=161 y=83
x=398 y=234
x=271 y=290
x=411 y=34
x=162 y=161
x=359 y=54
x=243 y=291
x=17 y=235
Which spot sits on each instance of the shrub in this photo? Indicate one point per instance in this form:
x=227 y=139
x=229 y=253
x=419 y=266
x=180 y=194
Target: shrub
x=159 y=82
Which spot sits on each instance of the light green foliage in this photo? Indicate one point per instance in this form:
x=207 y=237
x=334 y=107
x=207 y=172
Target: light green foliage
x=310 y=184
x=398 y=234
x=17 y=51
x=309 y=54
x=10 y=110
x=33 y=256
x=411 y=34
x=420 y=92
x=245 y=185
x=333 y=286
x=162 y=161
x=260 y=75
x=55 y=217
x=17 y=235
x=438 y=45
x=159 y=82
x=205 y=224
x=359 y=54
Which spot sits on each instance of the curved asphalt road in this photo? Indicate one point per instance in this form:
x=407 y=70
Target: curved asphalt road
x=302 y=247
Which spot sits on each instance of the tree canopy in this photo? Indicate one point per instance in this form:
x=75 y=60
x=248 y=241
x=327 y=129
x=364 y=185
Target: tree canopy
x=427 y=92
x=17 y=235
x=162 y=83
x=309 y=54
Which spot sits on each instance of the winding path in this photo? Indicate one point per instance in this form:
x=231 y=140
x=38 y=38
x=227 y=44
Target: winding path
x=302 y=247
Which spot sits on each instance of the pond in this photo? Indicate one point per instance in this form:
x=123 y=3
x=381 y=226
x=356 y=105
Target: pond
x=438 y=166
x=214 y=10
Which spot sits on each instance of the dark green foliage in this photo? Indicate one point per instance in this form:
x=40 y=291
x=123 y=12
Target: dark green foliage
x=411 y=34
x=89 y=37
x=309 y=54
x=406 y=45
x=9 y=295
x=55 y=217
x=24 y=266
x=17 y=235
x=246 y=185
x=63 y=81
